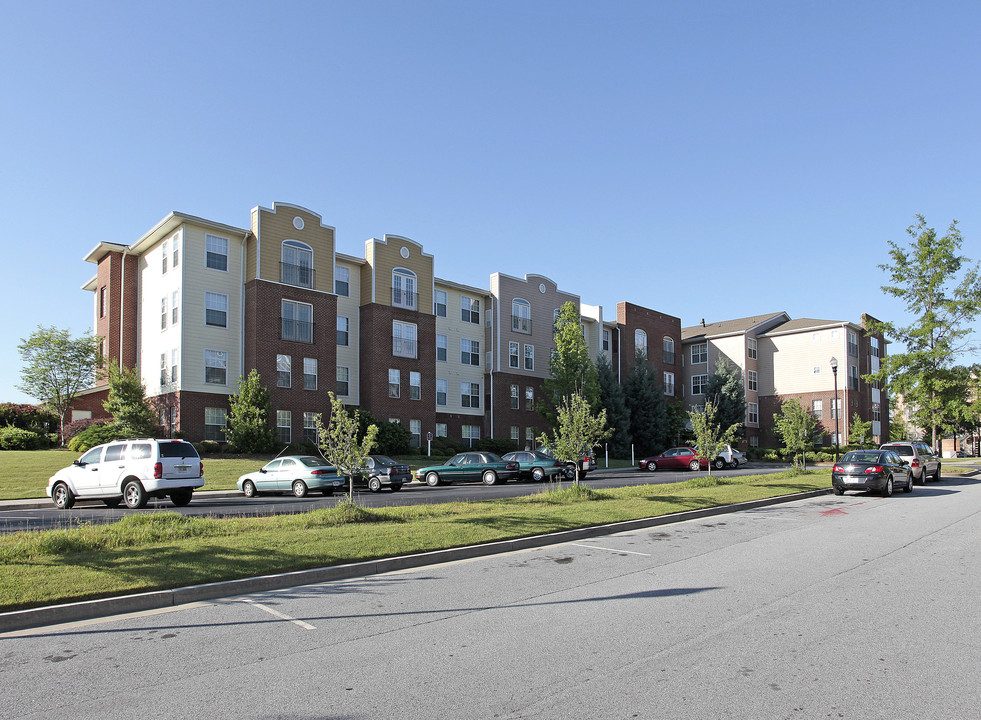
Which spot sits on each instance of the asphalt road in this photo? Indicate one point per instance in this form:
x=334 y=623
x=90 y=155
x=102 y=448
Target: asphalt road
x=46 y=517
x=852 y=607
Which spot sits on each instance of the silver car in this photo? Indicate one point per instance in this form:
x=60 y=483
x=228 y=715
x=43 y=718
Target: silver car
x=297 y=474
x=922 y=462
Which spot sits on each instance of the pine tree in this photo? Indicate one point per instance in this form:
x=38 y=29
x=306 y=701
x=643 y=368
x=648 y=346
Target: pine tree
x=612 y=400
x=648 y=413
x=572 y=370
x=249 y=416
x=728 y=394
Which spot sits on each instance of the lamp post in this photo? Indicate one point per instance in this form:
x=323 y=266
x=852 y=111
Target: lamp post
x=834 y=404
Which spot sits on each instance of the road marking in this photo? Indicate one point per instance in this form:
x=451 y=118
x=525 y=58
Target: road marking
x=597 y=547
x=281 y=616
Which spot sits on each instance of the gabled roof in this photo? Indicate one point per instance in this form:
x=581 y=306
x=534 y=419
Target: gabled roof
x=807 y=324
x=153 y=235
x=739 y=326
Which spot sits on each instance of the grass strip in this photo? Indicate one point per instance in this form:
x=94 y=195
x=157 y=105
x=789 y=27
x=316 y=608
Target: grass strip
x=161 y=550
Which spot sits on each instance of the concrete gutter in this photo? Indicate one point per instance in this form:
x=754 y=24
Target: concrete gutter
x=72 y=612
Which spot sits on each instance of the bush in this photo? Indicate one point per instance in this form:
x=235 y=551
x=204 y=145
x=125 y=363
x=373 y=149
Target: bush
x=74 y=428
x=96 y=435
x=15 y=438
x=446 y=446
x=28 y=417
x=498 y=447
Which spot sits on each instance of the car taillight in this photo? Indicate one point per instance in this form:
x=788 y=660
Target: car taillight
x=874 y=469
x=915 y=463
x=158 y=470
x=512 y=466
x=318 y=472
x=200 y=468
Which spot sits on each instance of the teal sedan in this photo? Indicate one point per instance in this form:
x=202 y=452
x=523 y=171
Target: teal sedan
x=535 y=465
x=486 y=467
x=297 y=474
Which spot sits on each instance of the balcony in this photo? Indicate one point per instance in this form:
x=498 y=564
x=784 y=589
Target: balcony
x=668 y=357
x=405 y=299
x=296 y=330
x=521 y=324
x=298 y=275
x=405 y=347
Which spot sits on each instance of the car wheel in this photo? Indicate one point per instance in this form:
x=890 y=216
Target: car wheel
x=248 y=487
x=489 y=477
x=734 y=465
x=537 y=474
x=112 y=502
x=432 y=479
x=134 y=495
x=299 y=488
x=181 y=496
x=909 y=483
x=396 y=487
x=693 y=465
x=569 y=473
x=719 y=464
x=887 y=490
x=839 y=491
x=62 y=496
x=651 y=466
x=923 y=477
x=374 y=484
x=936 y=475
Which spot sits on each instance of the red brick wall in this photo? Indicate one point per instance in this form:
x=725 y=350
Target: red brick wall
x=657 y=325
x=504 y=416
x=120 y=277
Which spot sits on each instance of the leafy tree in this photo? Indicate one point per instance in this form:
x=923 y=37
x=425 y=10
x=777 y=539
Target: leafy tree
x=727 y=392
x=572 y=370
x=898 y=429
x=393 y=438
x=249 y=426
x=340 y=444
x=577 y=431
x=860 y=431
x=613 y=401
x=127 y=403
x=942 y=291
x=711 y=434
x=796 y=426
x=57 y=367
x=648 y=413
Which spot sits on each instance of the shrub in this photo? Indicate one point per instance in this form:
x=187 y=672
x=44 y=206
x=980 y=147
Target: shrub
x=74 y=428
x=28 y=417
x=15 y=438
x=498 y=446
x=446 y=446
x=96 y=435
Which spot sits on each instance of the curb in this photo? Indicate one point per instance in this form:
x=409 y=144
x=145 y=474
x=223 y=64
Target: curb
x=89 y=609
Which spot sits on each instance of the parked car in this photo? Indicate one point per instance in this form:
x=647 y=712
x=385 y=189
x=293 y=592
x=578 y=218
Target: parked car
x=130 y=471
x=923 y=463
x=677 y=458
x=382 y=470
x=535 y=465
x=297 y=474
x=732 y=457
x=586 y=465
x=469 y=467
x=874 y=470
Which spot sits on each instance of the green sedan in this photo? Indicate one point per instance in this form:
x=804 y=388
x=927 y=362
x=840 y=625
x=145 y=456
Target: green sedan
x=469 y=467
x=535 y=465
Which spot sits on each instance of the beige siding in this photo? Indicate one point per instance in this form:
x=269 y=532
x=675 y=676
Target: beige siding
x=791 y=360
x=349 y=307
x=455 y=330
x=155 y=286
x=384 y=256
x=273 y=227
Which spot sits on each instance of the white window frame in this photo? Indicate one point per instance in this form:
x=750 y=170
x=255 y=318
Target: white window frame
x=296 y=260
x=470 y=309
x=698 y=384
x=699 y=353
x=295 y=315
x=441 y=429
x=342 y=281
x=669 y=383
x=752 y=380
x=215 y=303
x=415 y=385
x=284 y=371
x=514 y=355
x=529 y=356
x=284 y=426
x=310 y=373
x=753 y=413
x=442 y=391
x=751 y=348
x=394 y=383
x=404 y=339
x=640 y=341
x=343 y=331
x=439 y=303
x=470 y=352
x=521 y=316
x=216 y=253
x=441 y=348
x=216 y=359
x=342 y=378
x=470 y=394
x=405 y=286
x=214 y=418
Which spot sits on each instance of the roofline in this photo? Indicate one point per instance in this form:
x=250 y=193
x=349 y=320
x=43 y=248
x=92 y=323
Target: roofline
x=169 y=223
x=460 y=286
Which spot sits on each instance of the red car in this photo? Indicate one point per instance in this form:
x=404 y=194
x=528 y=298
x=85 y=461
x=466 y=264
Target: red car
x=678 y=458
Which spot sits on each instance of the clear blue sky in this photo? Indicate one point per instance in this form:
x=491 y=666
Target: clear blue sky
x=707 y=159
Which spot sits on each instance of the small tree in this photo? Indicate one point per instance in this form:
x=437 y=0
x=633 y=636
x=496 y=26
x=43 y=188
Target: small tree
x=249 y=427
x=710 y=438
x=728 y=394
x=57 y=367
x=127 y=403
x=860 y=432
x=578 y=430
x=796 y=427
x=340 y=445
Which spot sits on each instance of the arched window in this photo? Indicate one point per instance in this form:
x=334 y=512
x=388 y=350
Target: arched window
x=404 y=289
x=521 y=316
x=668 y=346
x=296 y=266
x=640 y=342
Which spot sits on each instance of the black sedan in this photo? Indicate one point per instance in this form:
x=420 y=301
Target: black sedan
x=382 y=471
x=873 y=470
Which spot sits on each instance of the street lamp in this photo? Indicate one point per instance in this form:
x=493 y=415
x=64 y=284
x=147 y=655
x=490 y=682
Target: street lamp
x=834 y=405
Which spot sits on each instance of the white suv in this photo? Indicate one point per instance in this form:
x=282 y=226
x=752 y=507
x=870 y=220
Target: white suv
x=130 y=471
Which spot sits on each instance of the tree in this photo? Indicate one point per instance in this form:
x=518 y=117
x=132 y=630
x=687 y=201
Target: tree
x=612 y=400
x=572 y=370
x=249 y=427
x=578 y=430
x=340 y=444
x=796 y=426
x=860 y=432
x=899 y=430
x=645 y=401
x=710 y=437
x=926 y=274
x=727 y=392
x=57 y=367
x=127 y=403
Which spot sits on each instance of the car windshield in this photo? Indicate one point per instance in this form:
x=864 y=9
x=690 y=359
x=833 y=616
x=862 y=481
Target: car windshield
x=177 y=449
x=383 y=460
x=311 y=461
x=861 y=456
x=904 y=450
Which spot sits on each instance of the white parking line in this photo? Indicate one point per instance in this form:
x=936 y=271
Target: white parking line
x=281 y=616
x=596 y=547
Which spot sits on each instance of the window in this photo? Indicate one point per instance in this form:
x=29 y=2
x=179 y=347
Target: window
x=440 y=429
x=394 y=384
x=521 y=316
x=343 y=380
x=752 y=380
x=751 y=348
x=415 y=429
x=177 y=250
x=470 y=310
x=754 y=441
x=836 y=409
x=173 y=365
x=439 y=304
x=667 y=347
x=817 y=409
x=163 y=369
x=284 y=375
x=403 y=339
x=853 y=377
x=529 y=357
x=163 y=313
x=296 y=264
x=103 y=301
x=699 y=353
x=173 y=307
x=698 y=384
x=415 y=386
x=515 y=433
x=310 y=427
x=342 y=281
x=217 y=252
x=164 y=255
x=669 y=383
x=753 y=413
x=343 y=330
x=515 y=398
x=284 y=426
x=404 y=289
x=530 y=397
x=852 y=344
x=530 y=435
x=215 y=367
x=514 y=359
x=214 y=423
x=640 y=342
x=441 y=348
x=470 y=352
x=441 y=391
x=309 y=373
x=297 y=321
x=873 y=346
x=817 y=369
x=876 y=412
x=471 y=433
x=215 y=309
x=470 y=394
